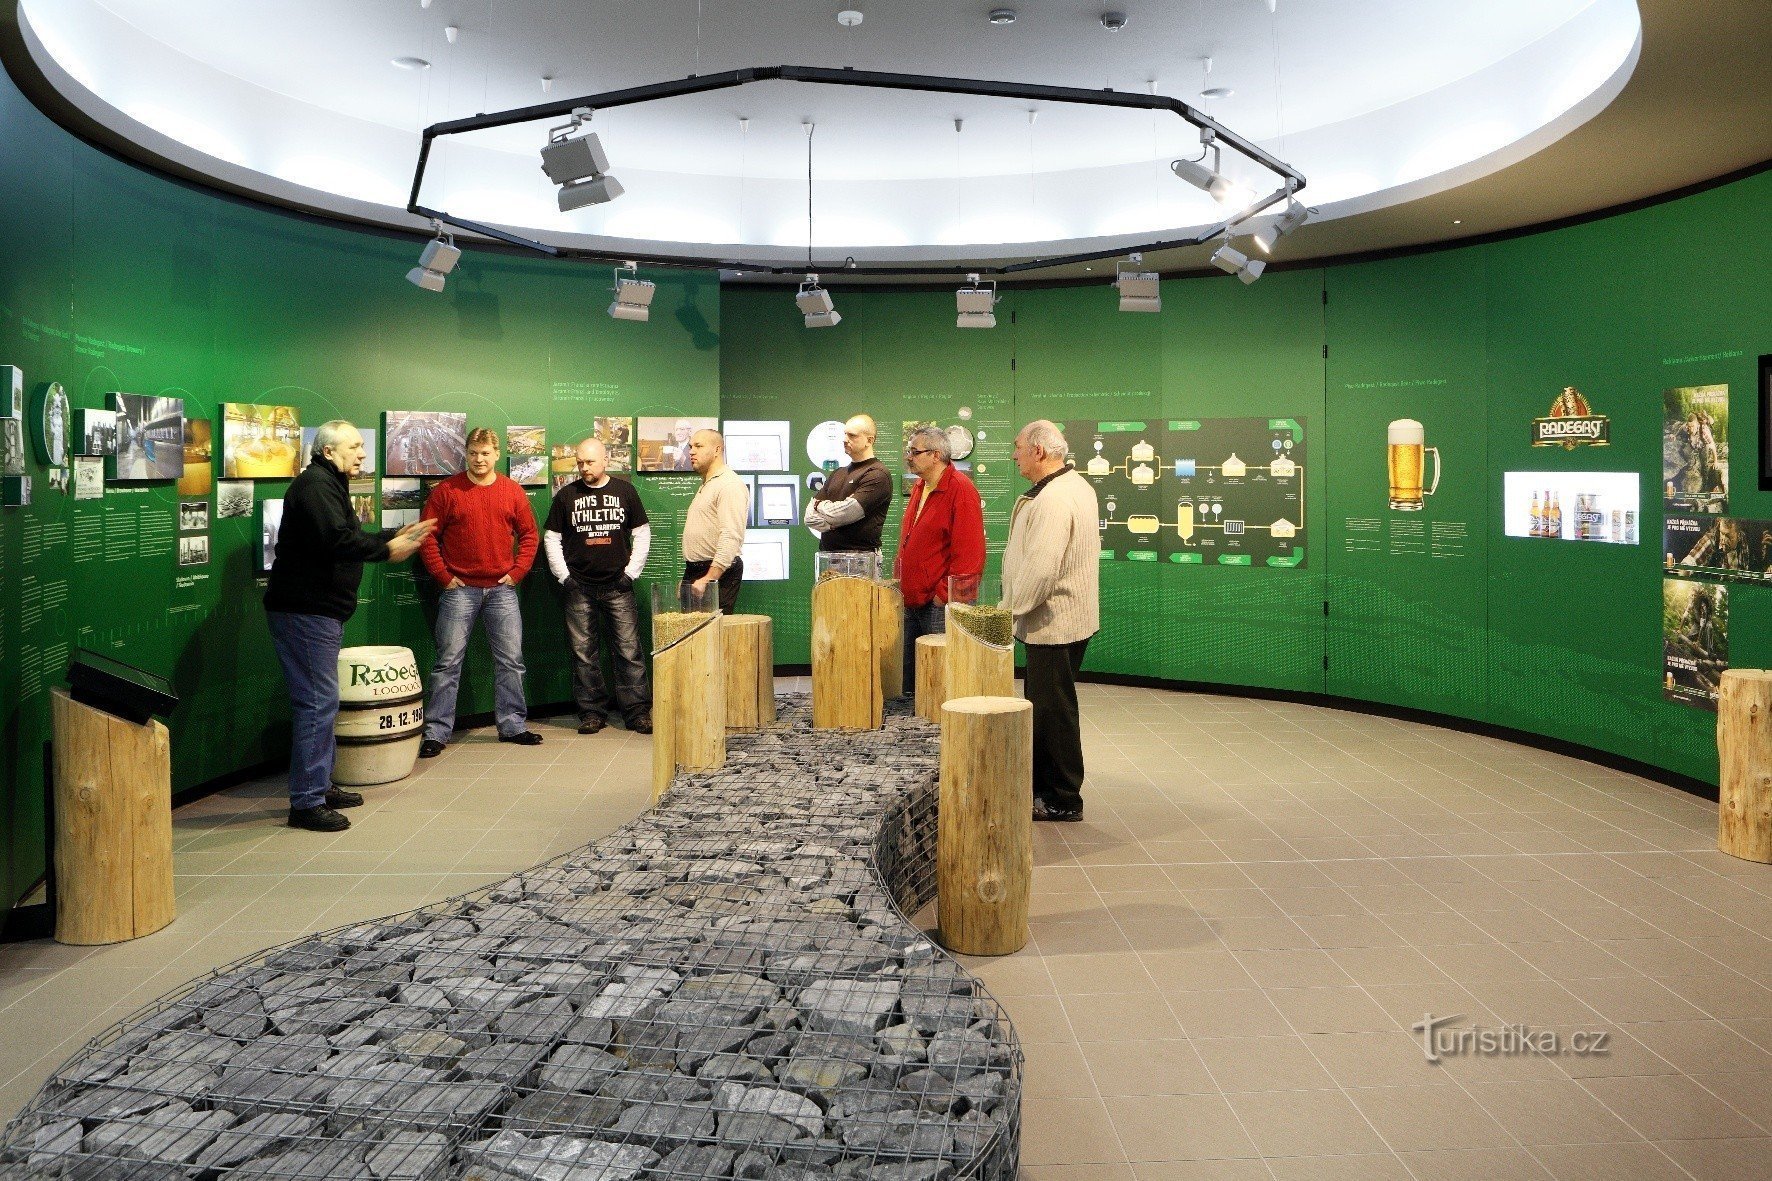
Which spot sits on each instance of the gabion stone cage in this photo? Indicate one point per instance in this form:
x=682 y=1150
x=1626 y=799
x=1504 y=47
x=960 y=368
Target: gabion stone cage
x=728 y=986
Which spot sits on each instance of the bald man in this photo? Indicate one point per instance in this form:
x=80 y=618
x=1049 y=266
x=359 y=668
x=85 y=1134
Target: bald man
x=849 y=512
x=713 y=528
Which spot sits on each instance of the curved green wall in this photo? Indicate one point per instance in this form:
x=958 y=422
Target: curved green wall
x=114 y=279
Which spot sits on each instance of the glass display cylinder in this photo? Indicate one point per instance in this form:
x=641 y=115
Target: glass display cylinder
x=975 y=606
x=679 y=611
x=859 y=564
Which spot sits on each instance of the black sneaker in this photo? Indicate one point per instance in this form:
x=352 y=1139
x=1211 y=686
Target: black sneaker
x=527 y=738
x=430 y=748
x=1045 y=811
x=319 y=818
x=338 y=797
x=641 y=724
x=590 y=725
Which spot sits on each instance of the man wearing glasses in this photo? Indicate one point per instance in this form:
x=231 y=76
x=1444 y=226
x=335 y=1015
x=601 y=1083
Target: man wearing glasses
x=942 y=537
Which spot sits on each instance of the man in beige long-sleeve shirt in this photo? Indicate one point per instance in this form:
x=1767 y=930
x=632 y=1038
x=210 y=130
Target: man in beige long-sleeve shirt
x=713 y=532
x=1051 y=582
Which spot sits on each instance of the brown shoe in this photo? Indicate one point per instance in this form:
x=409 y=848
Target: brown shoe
x=590 y=725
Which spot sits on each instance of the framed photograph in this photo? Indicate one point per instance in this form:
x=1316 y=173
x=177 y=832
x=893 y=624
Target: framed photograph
x=777 y=501
x=401 y=493
x=12 y=391
x=12 y=447
x=664 y=442
x=526 y=440
x=95 y=432
x=193 y=516
x=51 y=426
x=270 y=525
x=757 y=446
x=260 y=442
x=617 y=436
x=199 y=477
x=150 y=437
x=89 y=477
x=15 y=491
x=424 y=443
x=307 y=449
x=193 y=551
x=531 y=471
x=562 y=466
x=233 y=499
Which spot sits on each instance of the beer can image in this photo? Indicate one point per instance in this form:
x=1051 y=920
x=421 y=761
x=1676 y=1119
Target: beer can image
x=1617 y=524
x=1630 y=526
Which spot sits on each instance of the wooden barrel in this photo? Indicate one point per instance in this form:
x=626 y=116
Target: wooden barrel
x=984 y=834
x=846 y=690
x=381 y=715
x=113 y=825
x=1744 y=762
x=748 y=646
x=975 y=667
x=688 y=698
x=931 y=677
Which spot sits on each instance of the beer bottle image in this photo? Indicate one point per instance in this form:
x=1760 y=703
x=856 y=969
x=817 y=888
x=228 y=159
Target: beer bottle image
x=1537 y=522
x=1556 y=520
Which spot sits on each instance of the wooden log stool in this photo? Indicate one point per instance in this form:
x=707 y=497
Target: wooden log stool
x=846 y=665
x=976 y=668
x=932 y=681
x=688 y=698
x=889 y=638
x=1744 y=760
x=113 y=825
x=984 y=834
x=748 y=644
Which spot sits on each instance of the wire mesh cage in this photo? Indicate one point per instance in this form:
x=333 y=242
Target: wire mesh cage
x=727 y=986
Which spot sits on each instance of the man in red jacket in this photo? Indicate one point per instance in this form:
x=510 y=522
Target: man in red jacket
x=480 y=552
x=942 y=536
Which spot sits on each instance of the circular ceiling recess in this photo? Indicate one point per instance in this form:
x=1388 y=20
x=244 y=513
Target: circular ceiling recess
x=322 y=105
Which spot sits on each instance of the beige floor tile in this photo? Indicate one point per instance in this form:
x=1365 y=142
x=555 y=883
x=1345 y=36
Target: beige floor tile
x=1550 y=1113
x=1177 y=1127
x=1380 y=967
x=1201 y=1170
x=1089 y=1172
x=1670 y=1107
x=1263 y=1064
x=1639 y=1161
x=1237 y=1012
x=1415 y=1119
x=1196 y=970
x=1163 y=1067
x=1294 y=1123
x=1346 y=1009
x=1701 y=1047
x=1748 y=1093
x=1623 y=999
x=1056 y=1070
x=1480 y=1164
x=1100 y=1017
x=1068 y=1132
x=1293 y=969
x=1721 y=1160
x=1073 y=975
x=1376 y=1060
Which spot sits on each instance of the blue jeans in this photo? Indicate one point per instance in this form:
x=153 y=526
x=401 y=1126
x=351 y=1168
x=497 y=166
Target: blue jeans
x=931 y=619
x=307 y=648
x=456 y=612
x=585 y=608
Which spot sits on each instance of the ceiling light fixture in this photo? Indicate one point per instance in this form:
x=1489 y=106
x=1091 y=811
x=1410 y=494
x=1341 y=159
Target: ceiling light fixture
x=1294 y=216
x=1113 y=22
x=849 y=18
x=451 y=32
x=1002 y=16
x=633 y=295
x=439 y=258
x=1232 y=261
x=815 y=304
x=1140 y=291
x=1206 y=178
x=579 y=165
x=975 y=303
x=412 y=63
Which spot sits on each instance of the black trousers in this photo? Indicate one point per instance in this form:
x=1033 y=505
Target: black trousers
x=728 y=581
x=1058 y=732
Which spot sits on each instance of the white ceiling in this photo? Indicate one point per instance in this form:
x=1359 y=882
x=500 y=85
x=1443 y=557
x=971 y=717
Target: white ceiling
x=1372 y=99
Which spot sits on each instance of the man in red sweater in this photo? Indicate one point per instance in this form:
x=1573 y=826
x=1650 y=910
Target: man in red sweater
x=480 y=551
x=942 y=536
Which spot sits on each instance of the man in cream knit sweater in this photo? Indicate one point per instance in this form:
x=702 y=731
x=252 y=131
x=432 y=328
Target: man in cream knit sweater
x=1051 y=576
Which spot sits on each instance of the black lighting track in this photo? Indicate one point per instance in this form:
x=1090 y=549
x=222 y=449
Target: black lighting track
x=1292 y=181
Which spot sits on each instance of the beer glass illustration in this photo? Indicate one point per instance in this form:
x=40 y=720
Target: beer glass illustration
x=1406 y=461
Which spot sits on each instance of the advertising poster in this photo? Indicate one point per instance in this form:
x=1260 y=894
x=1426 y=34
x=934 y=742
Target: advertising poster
x=1695 y=449
x=1694 y=640
x=1728 y=549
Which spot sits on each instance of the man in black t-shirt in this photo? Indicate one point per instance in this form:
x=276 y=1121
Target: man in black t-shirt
x=597 y=538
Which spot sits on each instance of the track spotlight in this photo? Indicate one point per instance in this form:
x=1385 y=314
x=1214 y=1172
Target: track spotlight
x=1294 y=216
x=815 y=303
x=633 y=295
x=578 y=165
x=1234 y=262
x=975 y=303
x=1140 y=291
x=439 y=258
x=1201 y=175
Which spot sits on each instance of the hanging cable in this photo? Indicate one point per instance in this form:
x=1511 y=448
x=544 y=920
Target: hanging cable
x=810 y=128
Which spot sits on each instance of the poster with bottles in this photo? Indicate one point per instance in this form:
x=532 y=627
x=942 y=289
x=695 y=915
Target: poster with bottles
x=1694 y=640
x=1695 y=449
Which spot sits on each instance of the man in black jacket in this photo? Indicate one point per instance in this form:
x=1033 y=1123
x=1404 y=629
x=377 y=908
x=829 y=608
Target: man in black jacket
x=320 y=554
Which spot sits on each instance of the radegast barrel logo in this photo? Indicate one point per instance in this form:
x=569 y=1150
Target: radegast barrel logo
x=1572 y=423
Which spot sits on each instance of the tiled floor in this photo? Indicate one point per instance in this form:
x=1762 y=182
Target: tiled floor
x=1227 y=956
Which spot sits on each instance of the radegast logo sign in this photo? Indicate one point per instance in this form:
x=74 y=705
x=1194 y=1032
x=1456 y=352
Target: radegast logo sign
x=1572 y=423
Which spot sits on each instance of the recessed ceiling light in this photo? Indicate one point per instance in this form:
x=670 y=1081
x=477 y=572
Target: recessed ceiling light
x=412 y=63
x=1002 y=16
x=1217 y=92
x=1458 y=221
x=849 y=18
